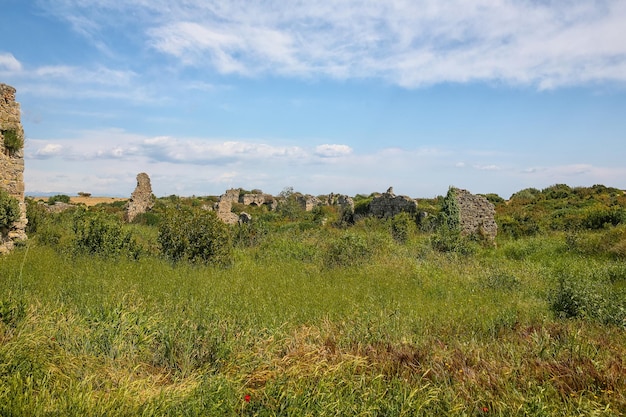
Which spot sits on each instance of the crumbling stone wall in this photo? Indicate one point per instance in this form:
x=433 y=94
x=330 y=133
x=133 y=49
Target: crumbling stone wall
x=308 y=202
x=142 y=199
x=12 y=165
x=224 y=206
x=477 y=215
x=252 y=199
x=388 y=205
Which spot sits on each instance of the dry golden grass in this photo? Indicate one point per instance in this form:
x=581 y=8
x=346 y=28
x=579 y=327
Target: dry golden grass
x=88 y=201
x=92 y=201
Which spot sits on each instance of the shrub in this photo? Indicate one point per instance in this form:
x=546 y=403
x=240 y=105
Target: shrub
x=289 y=207
x=250 y=234
x=450 y=214
x=402 y=225
x=9 y=210
x=518 y=225
x=599 y=217
x=557 y=191
x=13 y=141
x=197 y=236
x=447 y=236
x=347 y=250
x=60 y=198
x=494 y=198
x=103 y=235
x=527 y=194
x=35 y=213
x=362 y=205
x=579 y=296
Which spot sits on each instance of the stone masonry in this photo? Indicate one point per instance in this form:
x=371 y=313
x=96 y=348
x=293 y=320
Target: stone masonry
x=142 y=199
x=477 y=215
x=224 y=206
x=11 y=165
x=388 y=205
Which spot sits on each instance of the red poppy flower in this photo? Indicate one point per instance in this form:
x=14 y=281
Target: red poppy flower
x=247 y=398
x=485 y=410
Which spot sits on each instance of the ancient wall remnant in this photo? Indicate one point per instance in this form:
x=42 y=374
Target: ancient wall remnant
x=224 y=206
x=476 y=215
x=252 y=199
x=12 y=163
x=142 y=199
x=388 y=204
x=308 y=202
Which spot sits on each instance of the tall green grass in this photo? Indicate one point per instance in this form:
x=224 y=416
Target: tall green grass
x=301 y=324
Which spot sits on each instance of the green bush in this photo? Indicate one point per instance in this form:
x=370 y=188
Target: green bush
x=9 y=210
x=518 y=225
x=35 y=213
x=527 y=194
x=13 y=141
x=197 y=236
x=350 y=249
x=610 y=242
x=101 y=234
x=250 y=234
x=402 y=225
x=362 y=205
x=600 y=217
x=581 y=296
x=62 y=198
x=447 y=236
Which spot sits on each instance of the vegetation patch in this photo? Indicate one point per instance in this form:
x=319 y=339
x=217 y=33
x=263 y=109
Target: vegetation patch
x=311 y=318
x=9 y=210
x=13 y=141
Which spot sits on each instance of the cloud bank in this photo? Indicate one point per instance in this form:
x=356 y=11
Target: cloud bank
x=407 y=43
x=208 y=166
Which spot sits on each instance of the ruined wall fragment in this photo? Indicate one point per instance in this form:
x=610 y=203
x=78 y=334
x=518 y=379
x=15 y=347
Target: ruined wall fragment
x=11 y=164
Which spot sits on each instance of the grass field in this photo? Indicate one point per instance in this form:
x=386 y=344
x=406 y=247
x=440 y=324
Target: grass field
x=403 y=331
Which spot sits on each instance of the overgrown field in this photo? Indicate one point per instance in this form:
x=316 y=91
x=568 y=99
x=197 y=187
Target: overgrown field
x=303 y=315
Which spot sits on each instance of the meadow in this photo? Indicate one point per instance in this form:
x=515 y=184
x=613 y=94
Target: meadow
x=311 y=317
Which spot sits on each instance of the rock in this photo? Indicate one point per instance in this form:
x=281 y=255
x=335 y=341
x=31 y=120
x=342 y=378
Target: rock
x=142 y=199
x=388 y=205
x=477 y=215
x=12 y=165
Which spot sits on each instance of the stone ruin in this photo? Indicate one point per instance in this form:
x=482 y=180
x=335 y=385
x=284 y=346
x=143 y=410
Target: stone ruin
x=308 y=202
x=12 y=165
x=388 y=205
x=477 y=215
x=476 y=212
x=142 y=199
x=224 y=206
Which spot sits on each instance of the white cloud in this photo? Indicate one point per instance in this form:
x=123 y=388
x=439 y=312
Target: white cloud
x=487 y=167
x=412 y=44
x=49 y=150
x=9 y=63
x=201 y=166
x=332 y=151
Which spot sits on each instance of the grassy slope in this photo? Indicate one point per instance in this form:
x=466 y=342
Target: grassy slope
x=407 y=331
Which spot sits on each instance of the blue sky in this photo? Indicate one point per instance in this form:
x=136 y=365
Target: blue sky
x=345 y=96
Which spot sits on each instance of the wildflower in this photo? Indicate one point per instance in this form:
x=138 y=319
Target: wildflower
x=485 y=409
x=247 y=398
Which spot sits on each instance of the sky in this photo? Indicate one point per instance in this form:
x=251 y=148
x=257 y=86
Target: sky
x=343 y=96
